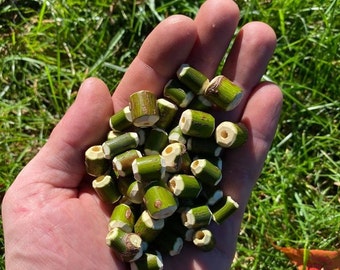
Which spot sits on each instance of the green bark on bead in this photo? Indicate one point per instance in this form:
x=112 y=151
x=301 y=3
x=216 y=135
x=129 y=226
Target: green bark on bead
x=197 y=123
x=223 y=209
x=196 y=81
x=127 y=246
x=122 y=163
x=106 y=188
x=121 y=120
x=223 y=93
x=95 y=162
x=159 y=202
x=122 y=217
x=178 y=93
x=167 y=112
x=197 y=217
x=147 y=227
x=149 y=168
x=206 y=172
x=156 y=141
x=120 y=144
x=143 y=107
x=185 y=186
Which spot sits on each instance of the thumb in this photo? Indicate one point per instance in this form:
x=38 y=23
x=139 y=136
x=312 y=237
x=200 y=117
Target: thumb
x=61 y=161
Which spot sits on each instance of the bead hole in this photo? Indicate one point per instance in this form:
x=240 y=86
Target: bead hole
x=96 y=148
x=168 y=150
x=224 y=134
x=199 y=235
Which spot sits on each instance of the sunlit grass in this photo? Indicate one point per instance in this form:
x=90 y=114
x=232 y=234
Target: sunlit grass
x=48 y=48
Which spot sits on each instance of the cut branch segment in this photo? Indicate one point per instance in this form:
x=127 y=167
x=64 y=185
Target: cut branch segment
x=197 y=123
x=106 y=188
x=204 y=239
x=167 y=111
x=147 y=227
x=178 y=93
x=143 y=107
x=223 y=209
x=127 y=246
x=197 y=217
x=196 y=81
x=231 y=135
x=120 y=144
x=122 y=217
x=223 y=93
x=185 y=186
x=95 y=162
x=160 y=202
x=149 y=168
x=122 y=163
x=206 y=172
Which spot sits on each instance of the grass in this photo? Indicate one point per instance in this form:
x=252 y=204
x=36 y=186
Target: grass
x=49 y=47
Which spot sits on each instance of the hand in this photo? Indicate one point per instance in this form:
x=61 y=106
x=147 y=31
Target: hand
x=51 y=216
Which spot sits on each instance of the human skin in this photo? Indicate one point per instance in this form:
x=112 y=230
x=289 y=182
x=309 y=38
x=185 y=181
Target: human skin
x=52 y=218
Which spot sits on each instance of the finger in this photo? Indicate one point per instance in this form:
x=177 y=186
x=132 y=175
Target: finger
x=163 y=51
x=244 y=164
x=248 y=59
x=216 y=22
x=61 y=161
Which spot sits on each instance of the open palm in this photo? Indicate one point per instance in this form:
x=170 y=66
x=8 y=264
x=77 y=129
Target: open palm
x=52 y=218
